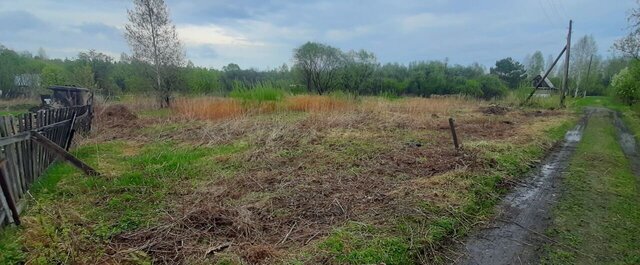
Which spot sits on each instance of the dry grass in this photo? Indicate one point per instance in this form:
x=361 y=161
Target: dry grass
x=213 y=108
x=18 y=101
x=209 y=108
x=315 y=103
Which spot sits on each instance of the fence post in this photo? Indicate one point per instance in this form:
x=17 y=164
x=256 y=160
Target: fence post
x=71 y=131
x=453 y=134
x=4 y=184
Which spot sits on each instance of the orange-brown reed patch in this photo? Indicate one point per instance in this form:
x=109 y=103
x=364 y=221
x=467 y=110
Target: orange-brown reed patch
x=216 y=108
x=209 y=108
x=316 y=103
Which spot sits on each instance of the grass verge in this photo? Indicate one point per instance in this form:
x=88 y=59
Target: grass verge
x=599 y=212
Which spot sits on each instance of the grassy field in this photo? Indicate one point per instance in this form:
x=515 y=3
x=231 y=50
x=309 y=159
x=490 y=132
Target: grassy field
x=17 y=106
x=600 y=207
x=291 y=180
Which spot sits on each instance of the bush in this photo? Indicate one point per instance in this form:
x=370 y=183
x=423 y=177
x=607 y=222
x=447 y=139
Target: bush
x=491 y=86
x=472 y=88
x=626 y=84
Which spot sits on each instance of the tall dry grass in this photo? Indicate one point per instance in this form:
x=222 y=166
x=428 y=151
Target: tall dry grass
x=208 y=108
x=215 y=108
x=421 y=106
x=316 y=103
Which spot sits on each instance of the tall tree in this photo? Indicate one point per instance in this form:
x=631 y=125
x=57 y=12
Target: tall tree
x=582 y=54
x=153 y=39
x=319 y=64
x=535 y=64
x=630 y=44
x=358 y=69
x=510 y=71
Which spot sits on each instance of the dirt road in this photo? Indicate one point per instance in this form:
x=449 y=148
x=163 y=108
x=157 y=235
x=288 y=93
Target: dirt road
x=516 y=234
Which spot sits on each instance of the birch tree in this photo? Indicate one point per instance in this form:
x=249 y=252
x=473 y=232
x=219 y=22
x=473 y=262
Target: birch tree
x=153 y=40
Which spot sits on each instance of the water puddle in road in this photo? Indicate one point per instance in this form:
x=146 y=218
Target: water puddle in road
x=628 y=143
x=512 y=238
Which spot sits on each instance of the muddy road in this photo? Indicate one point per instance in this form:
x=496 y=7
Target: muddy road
x=517 y=233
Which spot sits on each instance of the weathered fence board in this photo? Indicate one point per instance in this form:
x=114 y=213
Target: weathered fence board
x=25 y=160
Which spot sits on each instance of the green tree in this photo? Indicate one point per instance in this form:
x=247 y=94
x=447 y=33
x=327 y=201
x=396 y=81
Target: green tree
x=358 y=69
x=82 y=76
x=319 y=64
x=510 y=71
x=154 y=40
x=202 y=80
x=627 y=84
x=53 y=75
x=630 y=44
x=535 y=64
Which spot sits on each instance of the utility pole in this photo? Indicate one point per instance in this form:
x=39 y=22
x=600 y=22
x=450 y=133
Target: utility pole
x=565 y=81
x=588 y=72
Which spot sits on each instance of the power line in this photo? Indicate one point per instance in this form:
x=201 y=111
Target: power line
x=544 y=10
x=555 y=10
x=564 y=10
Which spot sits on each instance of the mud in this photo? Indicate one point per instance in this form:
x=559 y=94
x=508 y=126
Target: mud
x=628 y=143
x=516 y=235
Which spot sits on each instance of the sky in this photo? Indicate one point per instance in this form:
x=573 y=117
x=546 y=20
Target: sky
x=262 y=34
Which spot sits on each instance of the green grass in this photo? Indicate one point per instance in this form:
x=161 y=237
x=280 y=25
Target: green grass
x=129 y=195
x=517 y=97
x=12 y=112
x=598 y=215
x=259 y=93
x=630 y=114
x=422 y=238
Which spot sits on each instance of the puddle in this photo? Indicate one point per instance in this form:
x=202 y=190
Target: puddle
x=512 y=238
x=628 y=144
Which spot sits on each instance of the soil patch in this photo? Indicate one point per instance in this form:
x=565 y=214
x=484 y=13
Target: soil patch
x=495 y=110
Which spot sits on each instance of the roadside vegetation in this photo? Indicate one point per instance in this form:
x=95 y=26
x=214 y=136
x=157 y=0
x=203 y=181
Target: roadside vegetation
x=599 y=207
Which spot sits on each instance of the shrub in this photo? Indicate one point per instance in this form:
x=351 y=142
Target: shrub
x=626 y=84
x=492 y=87
x=472 y=88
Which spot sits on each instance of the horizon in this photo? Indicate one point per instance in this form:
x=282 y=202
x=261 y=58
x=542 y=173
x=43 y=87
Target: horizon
x=263 y=36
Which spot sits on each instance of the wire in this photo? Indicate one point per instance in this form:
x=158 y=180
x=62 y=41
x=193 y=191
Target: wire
x=555 y=10
x=564 y=11
x=544 y=10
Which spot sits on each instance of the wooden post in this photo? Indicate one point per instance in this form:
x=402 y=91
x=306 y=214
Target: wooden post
x=453 y=134
x=6 y=190
x=588 y=72
x=70 y=132
x=60 y=152
x=565 y=81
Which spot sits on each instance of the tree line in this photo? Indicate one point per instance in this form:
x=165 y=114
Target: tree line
x=157 y=64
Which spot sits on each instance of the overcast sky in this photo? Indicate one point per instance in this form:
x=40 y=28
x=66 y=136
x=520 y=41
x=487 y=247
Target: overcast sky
x=263 y=33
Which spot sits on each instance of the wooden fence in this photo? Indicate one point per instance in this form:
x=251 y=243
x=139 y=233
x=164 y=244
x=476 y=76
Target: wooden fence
x=23 y=159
